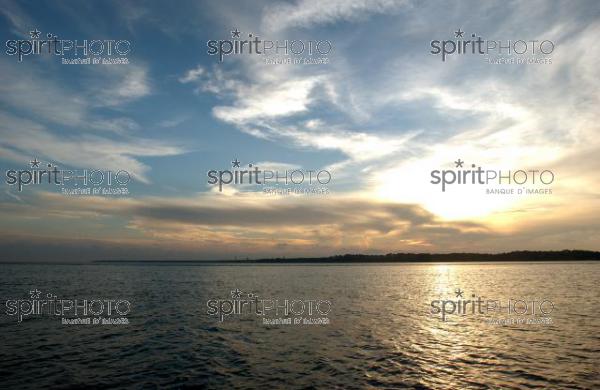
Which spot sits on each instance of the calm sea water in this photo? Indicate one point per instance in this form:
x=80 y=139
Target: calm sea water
x=382 y=332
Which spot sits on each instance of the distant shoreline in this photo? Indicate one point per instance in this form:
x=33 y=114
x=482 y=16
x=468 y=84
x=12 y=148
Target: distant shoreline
x=516 y=256
x=391 y=258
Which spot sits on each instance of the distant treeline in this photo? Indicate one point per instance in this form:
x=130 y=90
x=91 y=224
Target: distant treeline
x=564 y=255
x=524 y=256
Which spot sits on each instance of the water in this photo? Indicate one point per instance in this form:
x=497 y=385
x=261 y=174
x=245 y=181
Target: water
x=381 y=333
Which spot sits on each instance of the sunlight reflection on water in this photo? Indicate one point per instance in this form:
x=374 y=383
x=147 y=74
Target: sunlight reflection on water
x=382 y=332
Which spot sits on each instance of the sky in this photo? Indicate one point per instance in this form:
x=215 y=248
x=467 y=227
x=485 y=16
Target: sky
x=380 y=116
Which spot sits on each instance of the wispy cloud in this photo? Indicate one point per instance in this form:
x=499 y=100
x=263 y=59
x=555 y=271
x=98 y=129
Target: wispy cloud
x=121 y=84
x=306 y=13
x=20 y=22
x=192 y=75
x=277 y=100
x=24 y=139
x=173 y=122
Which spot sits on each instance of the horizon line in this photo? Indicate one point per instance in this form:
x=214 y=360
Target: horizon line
x=398 y=257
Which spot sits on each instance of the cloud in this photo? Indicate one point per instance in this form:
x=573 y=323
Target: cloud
x=255 y=226
x=248 y=222
x=307 y=13
x=398 y=118
x=173 y=122
x=21 y=23
x=43 y=133
x=23 y=139
x=276 y=166
x=381 y=118
x=260 y=101
x=121 y=84
x=541 y=117
x=215 y=81
x=28 y=247
x=36 y=95
x=259 y=108
x=358 y=146
x=116 y=125
x=253 y=102
x=192 y=75
x=12 y=195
